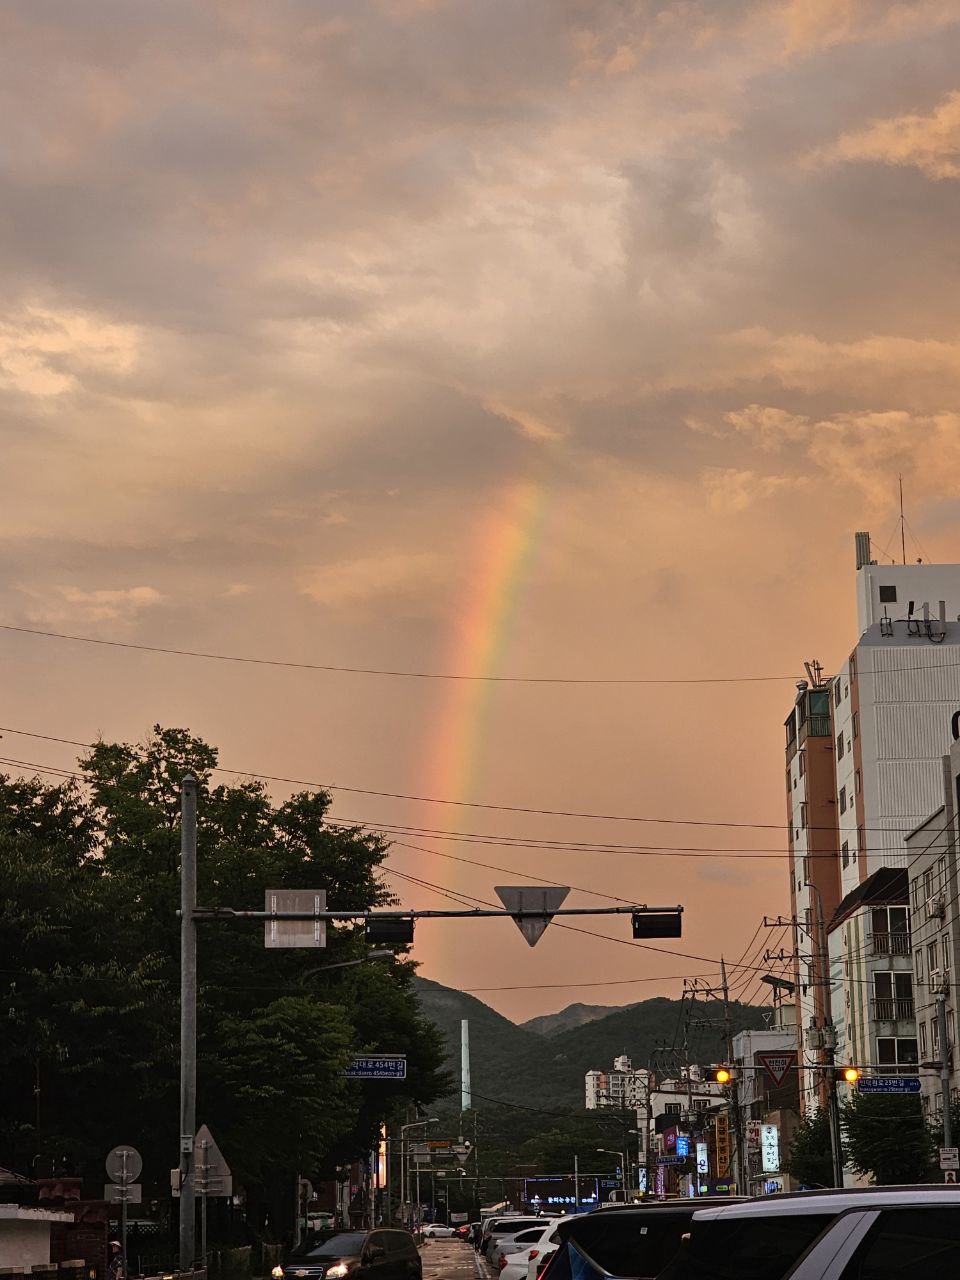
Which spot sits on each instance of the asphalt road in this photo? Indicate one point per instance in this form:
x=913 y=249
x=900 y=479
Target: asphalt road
x=451 y=1260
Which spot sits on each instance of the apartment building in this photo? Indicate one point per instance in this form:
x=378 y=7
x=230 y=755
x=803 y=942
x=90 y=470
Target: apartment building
x=623 y=1086
x=935 y=930
x=890 y=707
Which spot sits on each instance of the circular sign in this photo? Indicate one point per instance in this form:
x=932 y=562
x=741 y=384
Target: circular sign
x=124 y=1164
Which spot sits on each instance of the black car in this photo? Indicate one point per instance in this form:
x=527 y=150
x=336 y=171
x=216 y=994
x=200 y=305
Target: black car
x=635 y=1241
x=361 y=1255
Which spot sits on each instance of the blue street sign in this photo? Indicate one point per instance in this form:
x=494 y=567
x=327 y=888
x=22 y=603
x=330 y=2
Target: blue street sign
x=669 y=1159
x=888 y=1084
x=378 y=1068
x=683 y=1144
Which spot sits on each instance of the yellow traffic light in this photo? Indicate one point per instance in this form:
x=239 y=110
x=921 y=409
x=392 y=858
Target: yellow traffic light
x=851 y=1075
x=722 y=1075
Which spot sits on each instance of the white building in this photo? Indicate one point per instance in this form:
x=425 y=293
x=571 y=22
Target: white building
x=935 y=930
x=891 y=705
x=621 y=1087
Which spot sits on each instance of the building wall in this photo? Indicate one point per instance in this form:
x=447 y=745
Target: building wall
x=25 y=1241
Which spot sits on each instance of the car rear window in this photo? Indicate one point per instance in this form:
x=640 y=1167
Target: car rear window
x=909 y=1244
x=511 y=1225
x=638 y=1245
x=748 y=1248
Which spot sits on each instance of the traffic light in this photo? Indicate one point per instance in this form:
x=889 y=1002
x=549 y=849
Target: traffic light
x=657 y=924
x=392 y=931
x=723 y=1074
x=851 y=1074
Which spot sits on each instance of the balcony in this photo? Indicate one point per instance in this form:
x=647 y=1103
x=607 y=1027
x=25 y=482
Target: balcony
x=891 y=944
x=895 y=1010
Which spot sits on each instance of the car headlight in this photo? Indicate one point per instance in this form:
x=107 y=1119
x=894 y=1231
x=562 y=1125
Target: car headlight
x=337 y=1270
x=277 y=1273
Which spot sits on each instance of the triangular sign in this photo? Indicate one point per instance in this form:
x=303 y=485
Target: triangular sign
x=541 y=902
x=778 y=1065
x=208 y=1157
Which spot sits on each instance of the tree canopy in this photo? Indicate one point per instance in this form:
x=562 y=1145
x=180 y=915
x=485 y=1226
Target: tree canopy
x=887 y=1138
x=89 y=968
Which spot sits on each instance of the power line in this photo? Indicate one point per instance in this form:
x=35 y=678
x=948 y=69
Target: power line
x=462 y=804
x=387 y=672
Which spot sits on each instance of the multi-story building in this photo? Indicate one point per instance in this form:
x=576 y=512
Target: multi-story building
x=623 y=1087
x=814 y=867
x=935 y=931
x=890 y=708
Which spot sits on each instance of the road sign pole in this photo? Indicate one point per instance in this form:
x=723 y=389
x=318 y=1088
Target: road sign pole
x=188 y=1019
x=203 y=1202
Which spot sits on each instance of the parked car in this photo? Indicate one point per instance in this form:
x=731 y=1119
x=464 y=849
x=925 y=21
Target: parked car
x=635 y=1240
x=868 y=1234
x=362 y=1255
x=438 y=1231
x=514 y=1265
x=506 y=1243
x=503 y=1225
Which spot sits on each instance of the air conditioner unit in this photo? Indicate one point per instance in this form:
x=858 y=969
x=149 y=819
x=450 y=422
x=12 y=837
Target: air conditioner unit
x=936 y=907
x=939 y=982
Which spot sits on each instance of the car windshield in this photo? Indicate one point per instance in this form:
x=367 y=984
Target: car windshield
x=343 y=1244
x=748 y=1248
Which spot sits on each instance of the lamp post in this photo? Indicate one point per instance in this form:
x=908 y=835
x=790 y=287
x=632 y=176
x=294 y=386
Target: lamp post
x=405 y=1164
x=623 y=1165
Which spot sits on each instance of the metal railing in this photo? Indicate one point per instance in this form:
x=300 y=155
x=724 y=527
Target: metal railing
x=893 y=1010
x=891 y=944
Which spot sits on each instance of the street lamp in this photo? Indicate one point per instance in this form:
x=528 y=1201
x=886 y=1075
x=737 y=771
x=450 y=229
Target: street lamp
x=405 y=1164
x=623 y=1166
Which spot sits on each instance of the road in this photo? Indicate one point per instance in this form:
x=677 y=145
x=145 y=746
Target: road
x=451 y=1260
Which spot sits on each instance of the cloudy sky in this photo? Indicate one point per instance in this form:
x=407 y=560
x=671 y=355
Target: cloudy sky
x=554 y=338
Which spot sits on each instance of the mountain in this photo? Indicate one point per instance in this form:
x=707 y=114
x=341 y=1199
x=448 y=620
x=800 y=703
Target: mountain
x=574 y=1015
x=514 y=1064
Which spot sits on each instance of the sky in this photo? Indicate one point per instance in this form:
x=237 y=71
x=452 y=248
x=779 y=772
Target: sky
x=564 y=339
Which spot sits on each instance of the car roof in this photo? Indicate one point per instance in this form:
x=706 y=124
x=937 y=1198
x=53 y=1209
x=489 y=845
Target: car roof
x=664 y=1207
x=831 y=1201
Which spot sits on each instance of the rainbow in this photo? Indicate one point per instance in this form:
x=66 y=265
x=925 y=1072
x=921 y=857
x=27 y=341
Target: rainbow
x=497 y=568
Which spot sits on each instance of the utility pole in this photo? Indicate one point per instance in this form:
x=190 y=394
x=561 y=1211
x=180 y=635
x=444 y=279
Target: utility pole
x=944 y=1069
x=188 y=1019
x=647 y=1144
x=576 y=1183
x=738 y=1135
x=828 y=1043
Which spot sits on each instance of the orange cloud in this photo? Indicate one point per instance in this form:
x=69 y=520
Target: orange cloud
x=930 y=143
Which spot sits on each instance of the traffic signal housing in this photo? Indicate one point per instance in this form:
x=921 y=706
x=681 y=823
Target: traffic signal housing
x=851 y=1074
x=657 y=924
x=723 y=1074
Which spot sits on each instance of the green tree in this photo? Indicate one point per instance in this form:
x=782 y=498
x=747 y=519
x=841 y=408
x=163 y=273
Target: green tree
x=811 y=1155
x=887 y=1138
x=89 y=941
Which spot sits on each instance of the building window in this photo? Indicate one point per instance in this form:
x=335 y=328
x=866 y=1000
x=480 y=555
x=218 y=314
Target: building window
x=915 y=893
x=803 y=815
x=840 y=745
x=845 y=854
x=800 y=765
x=673 y=1109
x=922 y=1032
x=843 y=799
x=931 y=958
x=837 y=693
x=918 y=964
x=888 y=595
x=945 y=953
x=857 y=782
x=861 y=841
x=856 y=725
x=942 y=872
x=895 y=1053
x=928 y=883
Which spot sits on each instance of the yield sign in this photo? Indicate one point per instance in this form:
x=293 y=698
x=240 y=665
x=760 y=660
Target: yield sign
x=778 y=1065
x=532 y=907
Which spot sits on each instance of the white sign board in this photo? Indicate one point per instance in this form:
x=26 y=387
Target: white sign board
x=129 y=1193
x=770 y=1148
x=703 y=1158
x=950 y=1157
x=295 y=933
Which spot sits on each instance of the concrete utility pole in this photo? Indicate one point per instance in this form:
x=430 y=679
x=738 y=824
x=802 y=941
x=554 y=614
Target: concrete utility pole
x=828 y=1041
x=466 y=1100
x=188 y=1019
x=944 y=1069
x=647 y=1142
x=738 y=1135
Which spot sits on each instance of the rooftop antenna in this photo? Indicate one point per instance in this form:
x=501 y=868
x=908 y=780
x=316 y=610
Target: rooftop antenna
x=903 y=541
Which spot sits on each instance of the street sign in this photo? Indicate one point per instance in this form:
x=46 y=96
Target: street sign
x=532 y=898
x=295 y=933
x=123 y=1193
x=381 y=1067
x=670 y=1159
x=950 y=1157
x=888 y=1084
x=124 y=1164
x=778 y=1065
x=211 y=1171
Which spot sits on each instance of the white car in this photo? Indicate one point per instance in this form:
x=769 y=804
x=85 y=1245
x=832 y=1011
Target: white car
x=513 y=1251
x=438 y=1231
